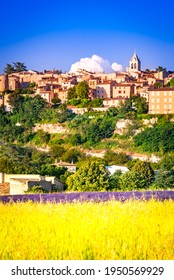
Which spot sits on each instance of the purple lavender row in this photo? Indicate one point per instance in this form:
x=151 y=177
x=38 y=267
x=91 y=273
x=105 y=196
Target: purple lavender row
x=89 y=196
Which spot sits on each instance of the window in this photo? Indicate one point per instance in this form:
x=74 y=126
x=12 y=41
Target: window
x=165 y=93
x=158 y=100
x=165 y=100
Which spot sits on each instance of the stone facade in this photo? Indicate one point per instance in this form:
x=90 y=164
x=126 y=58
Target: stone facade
x=20 y=183
x=161 y=101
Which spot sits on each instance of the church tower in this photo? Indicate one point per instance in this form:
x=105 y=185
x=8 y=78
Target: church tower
x=134 y=63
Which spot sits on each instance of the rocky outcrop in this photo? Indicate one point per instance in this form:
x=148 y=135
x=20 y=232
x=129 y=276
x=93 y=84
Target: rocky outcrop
x=50 y=128
x=121 y=126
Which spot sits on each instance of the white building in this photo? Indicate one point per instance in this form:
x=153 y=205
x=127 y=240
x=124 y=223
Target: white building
x=113 y=168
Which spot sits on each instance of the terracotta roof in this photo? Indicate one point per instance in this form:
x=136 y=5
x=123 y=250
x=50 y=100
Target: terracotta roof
x=116 y=98
x=123 y=85
x=162 y=89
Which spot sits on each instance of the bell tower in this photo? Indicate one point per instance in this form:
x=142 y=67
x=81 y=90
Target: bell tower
x=134 y=63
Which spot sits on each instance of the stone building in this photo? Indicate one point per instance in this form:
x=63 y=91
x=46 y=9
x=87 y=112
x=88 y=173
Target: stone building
x=161 y=101
x=20 y=183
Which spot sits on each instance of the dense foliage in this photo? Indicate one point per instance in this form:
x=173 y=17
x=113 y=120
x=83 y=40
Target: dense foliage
x=20 y=160
x=91 y=130
x=156 y=139
x=92 y=176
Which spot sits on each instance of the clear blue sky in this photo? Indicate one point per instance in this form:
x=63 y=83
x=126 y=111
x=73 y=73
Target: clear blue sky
x=55 y=34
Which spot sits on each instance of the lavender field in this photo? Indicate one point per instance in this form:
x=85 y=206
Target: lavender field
x=90 y=196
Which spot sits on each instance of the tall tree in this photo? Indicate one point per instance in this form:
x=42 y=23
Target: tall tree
x=145 y=170
x=82 y=90
x=160 y=68
x=19 y=67
x=15 y=68
x=92 y=176
x=9 y=69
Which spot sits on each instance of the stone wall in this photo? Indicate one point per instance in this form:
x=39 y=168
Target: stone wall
x=42 y=183
x=17 y=187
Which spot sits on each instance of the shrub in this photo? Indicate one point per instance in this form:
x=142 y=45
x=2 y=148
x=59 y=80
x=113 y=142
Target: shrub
x=36 y=189
x=144 y=168
x=131 y=181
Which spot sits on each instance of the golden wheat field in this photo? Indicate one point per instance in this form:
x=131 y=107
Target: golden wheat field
x=131 y=230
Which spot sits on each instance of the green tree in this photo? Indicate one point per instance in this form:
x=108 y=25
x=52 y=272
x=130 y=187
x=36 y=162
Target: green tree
x=56 y=100
x=41 y=137
x=112 y=112
x=125 y=106
x=19 y=67
x=74 y=139
x=72 y=93
x=9 y=69
x=160 y=68
x=92 y=176
x=140 y=105
x=72 y=155
x=57 y=151
x=167 y=162
x=114 y=182
x=16 y=67
x=131 y=181
x=15 y=100
x=158 y=85
x=82 y=90
x=156 y=139
x=32 y=85
x=144 y=168
x=164 y=179
x=96 y=103
x=115 y=158
x=52 y=170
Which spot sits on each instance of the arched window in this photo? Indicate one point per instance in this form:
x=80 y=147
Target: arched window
x=135 y=65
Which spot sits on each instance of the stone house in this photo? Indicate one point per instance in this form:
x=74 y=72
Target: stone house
x=161 y=101
x=71 y=167
x=20 y=183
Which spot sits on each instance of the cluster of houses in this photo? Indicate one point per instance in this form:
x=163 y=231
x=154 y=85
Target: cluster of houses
x=112 y=87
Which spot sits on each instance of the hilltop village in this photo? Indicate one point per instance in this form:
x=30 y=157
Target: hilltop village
x=112 y=88
x=86 y=131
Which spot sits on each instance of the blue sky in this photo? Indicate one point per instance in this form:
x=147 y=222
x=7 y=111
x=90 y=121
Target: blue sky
x=56 y=34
